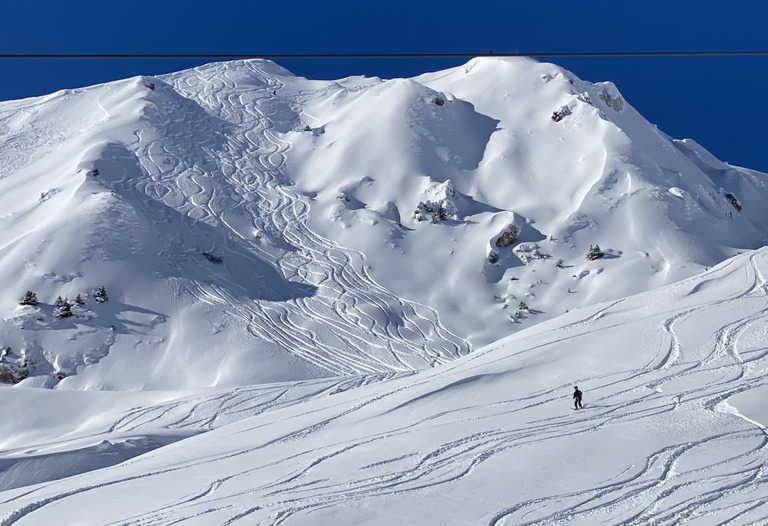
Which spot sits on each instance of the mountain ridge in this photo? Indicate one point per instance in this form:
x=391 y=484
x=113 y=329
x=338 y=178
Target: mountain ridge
x=255 y=226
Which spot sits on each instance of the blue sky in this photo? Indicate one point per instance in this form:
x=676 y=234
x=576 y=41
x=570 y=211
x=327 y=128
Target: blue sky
x=715 y=100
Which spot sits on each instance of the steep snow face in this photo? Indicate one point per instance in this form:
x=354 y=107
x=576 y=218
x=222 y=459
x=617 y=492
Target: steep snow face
x=253 y=226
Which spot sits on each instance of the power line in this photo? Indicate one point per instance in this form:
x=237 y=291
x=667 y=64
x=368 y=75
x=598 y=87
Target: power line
x=284 y=56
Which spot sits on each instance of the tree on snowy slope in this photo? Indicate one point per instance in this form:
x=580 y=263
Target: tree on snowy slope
x=100 y=295
x=30 y=298
x=64 y=310
x=594 y=253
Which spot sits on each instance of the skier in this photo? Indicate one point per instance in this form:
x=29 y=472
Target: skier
x=576 y=397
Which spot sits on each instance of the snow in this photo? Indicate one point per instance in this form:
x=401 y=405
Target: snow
x=312 y=318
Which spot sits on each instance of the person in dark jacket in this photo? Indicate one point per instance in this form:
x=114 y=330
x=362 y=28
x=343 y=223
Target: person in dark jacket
x=576 y=397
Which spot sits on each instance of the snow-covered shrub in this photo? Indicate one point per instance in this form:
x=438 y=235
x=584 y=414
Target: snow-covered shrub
x=522 y=306
x=560 y=263
x=440 y=215
x=594 y=253
x=30 y=298
x=429 y=211
x=528 y=252
x=560 y=114
x=493 y=257
x=44 y=196
x=79 y=301
x=438 y=205
x=100 y=295
x=63 y=311
x=439 y=100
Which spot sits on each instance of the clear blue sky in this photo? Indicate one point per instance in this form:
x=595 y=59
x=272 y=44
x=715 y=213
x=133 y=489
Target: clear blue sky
x=718 y=101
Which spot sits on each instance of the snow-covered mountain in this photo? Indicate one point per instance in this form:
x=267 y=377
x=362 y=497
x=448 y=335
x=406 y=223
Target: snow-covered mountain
x=367 y=301
x=249 y=225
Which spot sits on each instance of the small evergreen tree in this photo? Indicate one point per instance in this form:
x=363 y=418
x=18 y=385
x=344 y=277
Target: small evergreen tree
x=64 y=311
x=594 y=253
x=59 y=302
x=79 y=301
x=100 y=295
x=30 y=298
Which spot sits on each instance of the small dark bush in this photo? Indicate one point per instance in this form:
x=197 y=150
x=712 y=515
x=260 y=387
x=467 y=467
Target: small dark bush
x=213 y=258
x=560 y=114
x=439 y=101
x=734 y=201
x=30 y=298
x=65 y=311
x=440 y=215
x=100 y=295
x=594 y=253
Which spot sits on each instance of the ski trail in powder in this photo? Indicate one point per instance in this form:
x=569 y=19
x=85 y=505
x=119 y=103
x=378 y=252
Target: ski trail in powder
x=228 y=171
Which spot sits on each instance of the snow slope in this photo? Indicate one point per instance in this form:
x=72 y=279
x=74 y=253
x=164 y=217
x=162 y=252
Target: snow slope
x=315 y=314
x=252 y=226
x=672 y=432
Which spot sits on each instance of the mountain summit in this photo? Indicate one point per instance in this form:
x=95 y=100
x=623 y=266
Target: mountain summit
x=253 y=226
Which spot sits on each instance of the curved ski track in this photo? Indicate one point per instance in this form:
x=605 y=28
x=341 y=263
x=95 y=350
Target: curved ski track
x=350 y=325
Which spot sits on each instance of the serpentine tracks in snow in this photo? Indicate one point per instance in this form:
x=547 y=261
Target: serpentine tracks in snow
x=224 y=166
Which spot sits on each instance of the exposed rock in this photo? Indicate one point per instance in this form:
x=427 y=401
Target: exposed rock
x=507 y=237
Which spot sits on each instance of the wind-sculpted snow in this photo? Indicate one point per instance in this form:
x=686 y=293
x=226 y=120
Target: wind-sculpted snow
x=191 y=169
x=670 y=432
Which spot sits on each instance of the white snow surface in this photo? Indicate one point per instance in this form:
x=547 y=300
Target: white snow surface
x=367 y=301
